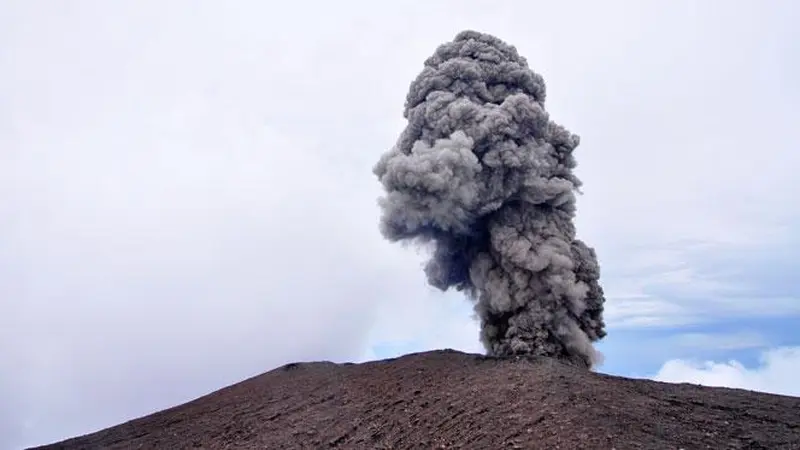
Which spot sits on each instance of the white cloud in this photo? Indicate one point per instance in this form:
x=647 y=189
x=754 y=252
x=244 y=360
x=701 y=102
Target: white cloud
x=683 y=283
x=776 y=372
x=719 y=341
x=430 y=321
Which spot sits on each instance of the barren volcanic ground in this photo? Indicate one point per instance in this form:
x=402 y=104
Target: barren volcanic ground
x=448 y=399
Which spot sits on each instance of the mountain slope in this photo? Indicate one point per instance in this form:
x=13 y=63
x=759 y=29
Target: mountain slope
x=448 y=399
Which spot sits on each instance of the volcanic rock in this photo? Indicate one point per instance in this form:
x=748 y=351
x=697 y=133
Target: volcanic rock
x=447 y=400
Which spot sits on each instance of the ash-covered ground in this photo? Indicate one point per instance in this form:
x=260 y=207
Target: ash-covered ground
x=447 y=399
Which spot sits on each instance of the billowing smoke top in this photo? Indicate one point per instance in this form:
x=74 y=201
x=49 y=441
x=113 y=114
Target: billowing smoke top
x=482 y=174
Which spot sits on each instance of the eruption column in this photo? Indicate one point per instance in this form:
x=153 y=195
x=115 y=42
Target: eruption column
x=482 y=174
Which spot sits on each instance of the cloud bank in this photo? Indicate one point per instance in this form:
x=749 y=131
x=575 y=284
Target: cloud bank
x=776 y=372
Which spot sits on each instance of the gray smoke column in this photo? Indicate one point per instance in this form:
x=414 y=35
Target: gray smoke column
x=482 y=175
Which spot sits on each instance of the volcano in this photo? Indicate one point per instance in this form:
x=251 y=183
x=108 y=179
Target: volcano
x=446 y=399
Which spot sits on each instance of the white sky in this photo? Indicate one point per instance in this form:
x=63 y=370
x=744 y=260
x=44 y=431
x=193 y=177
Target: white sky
x=186 y=195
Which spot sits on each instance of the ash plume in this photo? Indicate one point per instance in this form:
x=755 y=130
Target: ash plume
x=484 y=176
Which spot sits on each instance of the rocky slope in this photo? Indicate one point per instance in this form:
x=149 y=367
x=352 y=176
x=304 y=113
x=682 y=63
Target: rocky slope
x=447 y=399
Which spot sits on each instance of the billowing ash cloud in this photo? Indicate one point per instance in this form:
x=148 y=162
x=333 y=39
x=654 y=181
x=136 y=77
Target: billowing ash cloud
x=483 y=175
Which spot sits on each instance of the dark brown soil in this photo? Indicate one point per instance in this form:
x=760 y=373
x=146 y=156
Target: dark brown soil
x=448 y=399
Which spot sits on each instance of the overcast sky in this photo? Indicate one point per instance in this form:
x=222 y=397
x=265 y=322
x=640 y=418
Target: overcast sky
x=187 y=197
